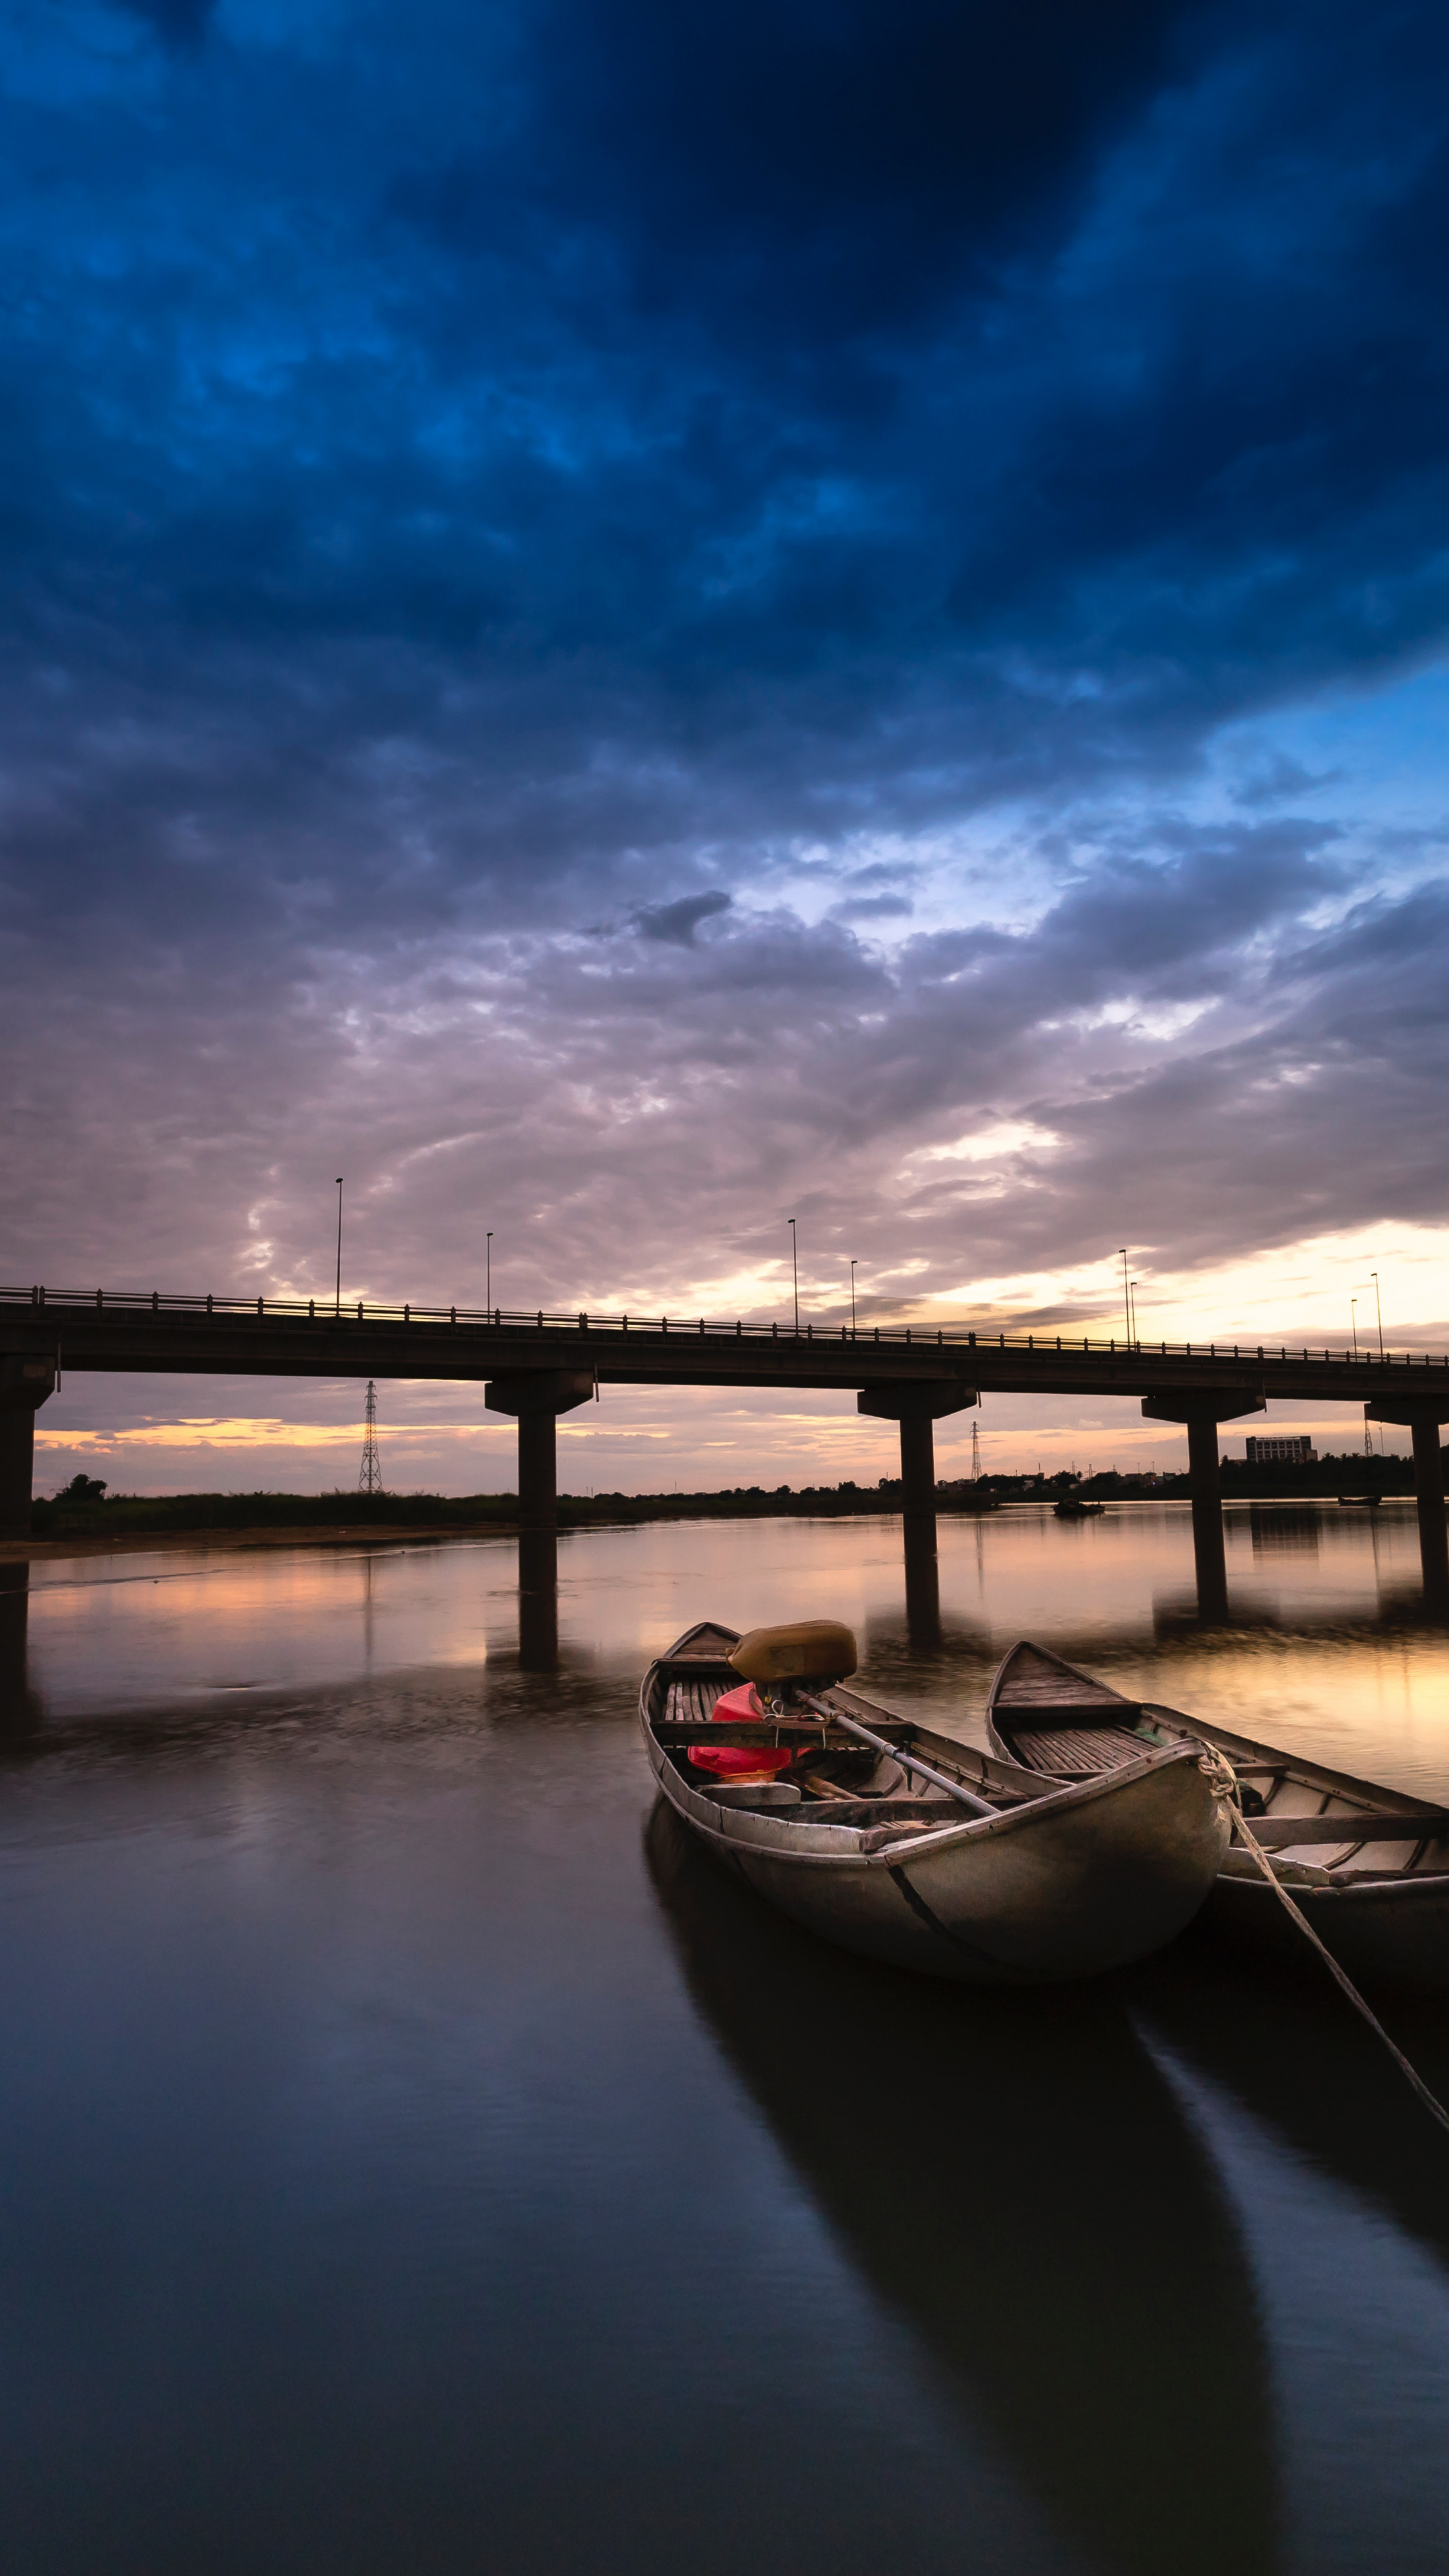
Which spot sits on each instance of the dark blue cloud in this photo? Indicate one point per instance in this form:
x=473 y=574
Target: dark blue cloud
x=468 y=478
x=179 y=23
x=781 y=167
x=678 y=922
x=624 y=357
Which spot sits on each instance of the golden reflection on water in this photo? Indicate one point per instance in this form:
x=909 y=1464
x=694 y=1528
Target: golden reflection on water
x=1328 y=1645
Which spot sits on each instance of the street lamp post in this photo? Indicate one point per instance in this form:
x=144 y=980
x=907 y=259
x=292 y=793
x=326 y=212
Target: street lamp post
x=795 y=1271
x=488 y=1268
x=1378 y=1309
x=852 y=1301
x=1126 y=1289
x=337 y=1309
x=1132 y=1312
x=1353 y=1323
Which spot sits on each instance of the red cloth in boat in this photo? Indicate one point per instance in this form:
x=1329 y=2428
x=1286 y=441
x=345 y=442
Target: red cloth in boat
x=740 y=1761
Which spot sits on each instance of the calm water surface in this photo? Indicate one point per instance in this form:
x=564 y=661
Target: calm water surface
x=419 y=2156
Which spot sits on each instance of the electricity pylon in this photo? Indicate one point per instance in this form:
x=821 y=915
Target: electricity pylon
x=975 y=1456
x=369 y=1480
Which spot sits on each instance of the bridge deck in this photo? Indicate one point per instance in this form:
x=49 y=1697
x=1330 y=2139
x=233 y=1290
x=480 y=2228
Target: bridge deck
x=42 y=1334
x=108 y=1330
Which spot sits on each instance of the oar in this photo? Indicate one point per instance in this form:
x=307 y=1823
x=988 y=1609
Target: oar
x=907 y=1761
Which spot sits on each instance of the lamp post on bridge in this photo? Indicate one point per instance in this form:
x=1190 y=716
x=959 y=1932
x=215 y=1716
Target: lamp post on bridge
x=1378 y=1309
x=1126 y=1290
x=852 y=1301
x=1353 y=1323
x=488 y=1269
x=337 y=1309
x=795 y=1271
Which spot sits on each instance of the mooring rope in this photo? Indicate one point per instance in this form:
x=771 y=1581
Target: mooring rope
x=1432 y=2105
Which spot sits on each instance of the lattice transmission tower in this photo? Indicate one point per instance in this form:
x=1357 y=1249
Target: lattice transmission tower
x=369 y=1475
x=975 y=1456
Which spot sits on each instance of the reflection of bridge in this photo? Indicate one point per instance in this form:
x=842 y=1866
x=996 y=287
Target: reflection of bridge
x=537 y=1366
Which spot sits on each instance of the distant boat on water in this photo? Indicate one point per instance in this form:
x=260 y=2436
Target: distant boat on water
x=1072 y=1508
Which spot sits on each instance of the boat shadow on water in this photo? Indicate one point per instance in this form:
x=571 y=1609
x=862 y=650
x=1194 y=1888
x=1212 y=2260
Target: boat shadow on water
x=1292 y=2052
x=1013 y=2174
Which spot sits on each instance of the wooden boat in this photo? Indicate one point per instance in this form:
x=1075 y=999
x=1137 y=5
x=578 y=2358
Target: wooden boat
x=1072 y=1508
x=1025 y=1884
x=1369 y=1866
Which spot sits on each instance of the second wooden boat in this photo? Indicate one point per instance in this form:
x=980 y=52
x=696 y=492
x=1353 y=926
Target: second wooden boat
x=1369 y=1866
x=912 y=1847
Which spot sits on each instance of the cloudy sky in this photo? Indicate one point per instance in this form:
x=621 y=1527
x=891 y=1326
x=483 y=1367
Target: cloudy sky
x=627 y=621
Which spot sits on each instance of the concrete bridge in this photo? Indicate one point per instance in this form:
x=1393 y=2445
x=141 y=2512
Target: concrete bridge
x=537 y=1366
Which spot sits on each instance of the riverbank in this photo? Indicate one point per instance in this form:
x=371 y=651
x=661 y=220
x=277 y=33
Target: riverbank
x=293 y=1519
x=64 y=1525
x=110 y=1526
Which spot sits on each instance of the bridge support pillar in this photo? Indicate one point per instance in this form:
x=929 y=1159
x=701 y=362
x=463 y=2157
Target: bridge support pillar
x=24 y=1385
x=1424 y=1421
x=537 y=1400
x=1202 y=1414
x=917 y=1409
x=18 y=1703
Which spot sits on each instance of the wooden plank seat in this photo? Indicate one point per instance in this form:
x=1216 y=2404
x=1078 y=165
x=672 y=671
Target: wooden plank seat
x=1075 y=1752
x=1104 y=1704
x=1365 y=1825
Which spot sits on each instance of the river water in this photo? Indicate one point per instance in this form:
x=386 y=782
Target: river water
x=420 y=2157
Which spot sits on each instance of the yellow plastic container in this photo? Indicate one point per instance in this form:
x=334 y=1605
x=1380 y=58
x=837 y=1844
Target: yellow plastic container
x=805 y=1650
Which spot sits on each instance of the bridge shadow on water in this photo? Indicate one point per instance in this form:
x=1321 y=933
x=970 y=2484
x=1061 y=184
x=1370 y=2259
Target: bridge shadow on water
x=1012 y=2174
x=1401 y=1610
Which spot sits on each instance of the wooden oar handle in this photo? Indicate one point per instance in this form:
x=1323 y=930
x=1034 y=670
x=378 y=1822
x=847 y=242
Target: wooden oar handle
x=897 y=1752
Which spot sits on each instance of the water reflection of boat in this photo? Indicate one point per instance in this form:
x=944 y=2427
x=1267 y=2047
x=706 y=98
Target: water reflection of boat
x=1305 y=2066
x=1014 y=2175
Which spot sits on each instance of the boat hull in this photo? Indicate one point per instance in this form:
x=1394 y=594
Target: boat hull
x=1386 y=1924
x=1090 y=1880
x=1381 y=1909
x=1385 y=1931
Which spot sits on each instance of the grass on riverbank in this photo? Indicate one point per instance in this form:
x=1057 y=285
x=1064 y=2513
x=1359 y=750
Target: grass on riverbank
x=116 y=1516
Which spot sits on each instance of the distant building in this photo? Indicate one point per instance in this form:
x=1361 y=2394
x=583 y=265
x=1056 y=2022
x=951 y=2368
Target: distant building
x=1281 y=1452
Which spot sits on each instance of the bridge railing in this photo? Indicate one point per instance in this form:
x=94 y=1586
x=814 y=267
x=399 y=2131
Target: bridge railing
x=512 y=1321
